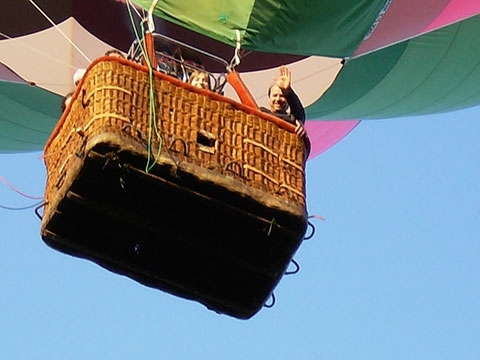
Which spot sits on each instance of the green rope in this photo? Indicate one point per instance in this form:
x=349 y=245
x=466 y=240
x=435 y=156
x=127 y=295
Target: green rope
x=152 y=115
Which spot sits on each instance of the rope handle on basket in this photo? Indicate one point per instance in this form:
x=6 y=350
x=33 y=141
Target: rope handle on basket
x=182 y=141
x=238 y=170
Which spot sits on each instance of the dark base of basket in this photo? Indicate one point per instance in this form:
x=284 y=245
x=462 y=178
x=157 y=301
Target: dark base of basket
x=169 y=230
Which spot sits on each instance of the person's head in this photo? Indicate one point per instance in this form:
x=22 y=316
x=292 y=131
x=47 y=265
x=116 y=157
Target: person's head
x=78 y=75
x=200 y=79
x=276 y=99
x=114 y=53
x=67 y=99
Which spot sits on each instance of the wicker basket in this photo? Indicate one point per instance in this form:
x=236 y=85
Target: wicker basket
x=204 y=200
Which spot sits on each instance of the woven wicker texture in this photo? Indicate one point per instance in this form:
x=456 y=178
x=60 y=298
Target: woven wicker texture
x=196 y=127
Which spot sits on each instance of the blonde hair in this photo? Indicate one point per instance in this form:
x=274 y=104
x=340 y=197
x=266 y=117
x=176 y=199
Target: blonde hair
x=196 y=73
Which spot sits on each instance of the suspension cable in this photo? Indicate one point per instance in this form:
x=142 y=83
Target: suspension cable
x=59 y=30
x=236 y=56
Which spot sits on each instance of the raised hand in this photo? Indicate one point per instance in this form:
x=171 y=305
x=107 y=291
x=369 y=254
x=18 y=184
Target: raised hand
x=285 y=78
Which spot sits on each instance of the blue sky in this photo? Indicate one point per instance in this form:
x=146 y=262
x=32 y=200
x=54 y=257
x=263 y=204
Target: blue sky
x=392 y=273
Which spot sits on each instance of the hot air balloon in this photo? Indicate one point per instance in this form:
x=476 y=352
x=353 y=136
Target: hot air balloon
x=367 y=59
